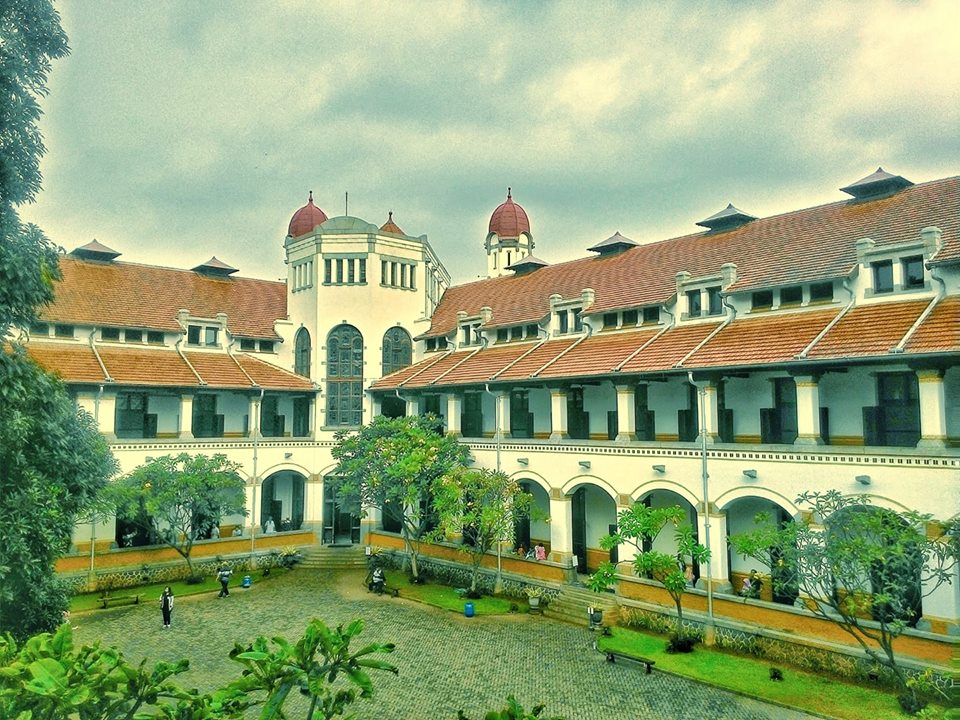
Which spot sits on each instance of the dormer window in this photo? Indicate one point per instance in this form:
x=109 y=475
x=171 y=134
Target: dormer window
x=200 y=335
x=431 y=344
x=912 y=271
x=631 y=317
x=39 y=329
x=133 y=336
x=762 y=300
x=516 y=332
x=610 y=320
x=882 y=276
x=155 y=337
x=63 y=331
x=577 y=319
x=248 y=344
x=821 y=292
x=110 y=334
x=470 y=334
x=651 y=316
x=714 y=305
x=694 y=306
x=791 y=296
x=266 y=346
x=563 y=322
x=502 y=335
x=533 y=330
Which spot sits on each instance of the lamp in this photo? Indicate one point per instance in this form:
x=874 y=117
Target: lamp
x=523 y=461
x=585 y=464
x=287 y=456
x=752 y=474
x=863 y=479
x=660 y=469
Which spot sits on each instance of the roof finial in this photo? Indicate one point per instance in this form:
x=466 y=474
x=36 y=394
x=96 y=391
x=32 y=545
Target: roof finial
x=509 y=196
x=390 y=216
x=310 y=198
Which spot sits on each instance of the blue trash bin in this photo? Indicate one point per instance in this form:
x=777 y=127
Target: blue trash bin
x=247 y=582
x=468 y=609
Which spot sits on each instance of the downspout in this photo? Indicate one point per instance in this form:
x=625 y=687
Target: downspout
x=709 y=630
x=830 y=325
x=183 y=357
x=941 y=293
x=103 y=368
x=253 y=504
x=729 y=319
x=93 y=516
x=498 y=583
x=648 y=343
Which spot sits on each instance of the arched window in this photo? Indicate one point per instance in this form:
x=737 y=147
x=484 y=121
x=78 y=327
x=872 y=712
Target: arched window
x=301 y=353
x=344 y=376
x=397 y=349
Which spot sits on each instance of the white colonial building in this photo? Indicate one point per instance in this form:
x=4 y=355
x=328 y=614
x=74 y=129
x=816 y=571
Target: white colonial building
x=812 y=350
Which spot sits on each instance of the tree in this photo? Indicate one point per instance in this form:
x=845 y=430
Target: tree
x=640 y=526
x=393 y=465
x=177 y=497
x=863 y=568
x=482 y=504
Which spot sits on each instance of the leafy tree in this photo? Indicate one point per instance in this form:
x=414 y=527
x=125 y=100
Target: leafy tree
x=513 y=711
x=393 y=465
x=481 y=504
x=640 y=526
x=180 y=495
x=864 y=568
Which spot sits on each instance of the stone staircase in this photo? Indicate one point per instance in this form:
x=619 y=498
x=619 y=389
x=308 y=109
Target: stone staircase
x=331 y=557
x=572 y=603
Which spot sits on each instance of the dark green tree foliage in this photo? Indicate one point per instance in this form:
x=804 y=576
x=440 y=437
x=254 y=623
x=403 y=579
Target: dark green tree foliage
x=864 y=568
x=513 y=711
x=484 y=504
x=177 y=494
x=53 y=463
x=393 y=465
x=640 y=524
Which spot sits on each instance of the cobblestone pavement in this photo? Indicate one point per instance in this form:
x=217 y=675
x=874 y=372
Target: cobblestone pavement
x=447 y=662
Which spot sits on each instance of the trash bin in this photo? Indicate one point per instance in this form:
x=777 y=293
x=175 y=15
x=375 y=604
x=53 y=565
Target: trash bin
x=468 y=609
x=247 y=582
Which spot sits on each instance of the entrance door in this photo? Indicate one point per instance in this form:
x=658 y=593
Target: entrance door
x=579 y=511
x=340 y=526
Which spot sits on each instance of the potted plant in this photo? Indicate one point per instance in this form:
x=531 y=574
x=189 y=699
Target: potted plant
x=534 y=595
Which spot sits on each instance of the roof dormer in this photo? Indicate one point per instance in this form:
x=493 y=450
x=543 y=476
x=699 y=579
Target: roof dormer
x=614 y=244
x=876 y=185
x=729 y=218
x=95 y=251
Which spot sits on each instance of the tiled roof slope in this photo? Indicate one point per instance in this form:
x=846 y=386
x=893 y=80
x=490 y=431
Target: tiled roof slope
x=76 y=363
x=597 y=355
x=869 y=330
x=761 y=340
x=129 y=295
x=802 y=246
x=669 y=349
x=940 y=331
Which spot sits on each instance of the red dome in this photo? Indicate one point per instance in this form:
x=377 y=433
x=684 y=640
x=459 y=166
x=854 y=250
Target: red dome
x=509 y=220
x=306 y=218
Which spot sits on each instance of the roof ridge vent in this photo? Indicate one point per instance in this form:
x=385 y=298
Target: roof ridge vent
x=614 y=244
x=213 y=266
x=876 y=185
x=94 y=250
x=527 y=265
x=729 y=218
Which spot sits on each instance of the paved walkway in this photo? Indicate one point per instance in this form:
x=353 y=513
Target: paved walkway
x=447 y=662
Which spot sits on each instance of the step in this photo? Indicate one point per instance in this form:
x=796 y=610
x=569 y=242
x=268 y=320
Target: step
x=572 y=603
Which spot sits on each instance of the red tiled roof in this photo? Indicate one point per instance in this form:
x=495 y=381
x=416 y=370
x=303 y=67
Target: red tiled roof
x=76 y=363
x=940 y=331
x=802 y=246
x=669 y=349
x=484 y=365
x=869 y=330
x=71 y=362
x=117 y=294
x=399 y=377
x=597 y=355
x=770 y=339
x=535 y=359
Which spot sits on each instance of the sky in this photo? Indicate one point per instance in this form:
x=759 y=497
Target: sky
x=177 y=131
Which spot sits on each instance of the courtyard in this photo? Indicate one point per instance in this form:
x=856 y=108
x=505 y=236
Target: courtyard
x=447 y=662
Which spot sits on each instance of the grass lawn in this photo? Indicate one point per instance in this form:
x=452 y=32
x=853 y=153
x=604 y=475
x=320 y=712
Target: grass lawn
x=151 y=593
x=750 y=676
x=443 y=596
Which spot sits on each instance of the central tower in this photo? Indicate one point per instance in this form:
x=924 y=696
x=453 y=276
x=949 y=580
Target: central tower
x=508 y=237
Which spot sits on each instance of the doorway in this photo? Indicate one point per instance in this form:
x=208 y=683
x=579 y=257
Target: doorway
x=340 y=525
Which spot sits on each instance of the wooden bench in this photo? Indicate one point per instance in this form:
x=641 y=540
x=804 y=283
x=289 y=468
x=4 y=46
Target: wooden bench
x=119 y=600
x=612 y=656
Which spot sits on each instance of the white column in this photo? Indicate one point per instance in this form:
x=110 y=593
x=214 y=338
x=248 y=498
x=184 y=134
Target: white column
x=711 y=411
x=454 y=404
x=375 y=406
x=107 y=414
x=413 y=407
x=372 y=520
x=561 y=527
x=627 y=551
x=941 y=608
x=933 y=411
x=186 y=416
x=558 y=414
x=253 y=411
x=503 y=417
x=808 y=411
x=719 y=563
x=626 y=414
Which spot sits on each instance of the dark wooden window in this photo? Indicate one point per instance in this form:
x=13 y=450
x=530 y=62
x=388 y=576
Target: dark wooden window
x=646 y=426
x=714 y=306
x=131 y=419
x=193 y=334
x=502 y=334
x=301 y=417
x=895 y=421
x=882 y=276
x=301 y=353
x=694 y=307
x=266 y=346
x=63 y=331
x=610 y=320
x=206 y=422
x=110 y=334
x=578 y=420
x=397 y=350
x=778 y=425
x=271 y=421
x=791 y=295
x=913 y=271
x=344 y=376
x=516 y=333
x=521 y=419
x=155 y=337
x=248 y=344
x=471 y=422
x=821 y=292
x=631 y=317
x=762 y=300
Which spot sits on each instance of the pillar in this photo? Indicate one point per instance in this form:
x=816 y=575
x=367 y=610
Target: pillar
x=186 y=416
x=711 y=412
x=503 y=414
x=719 y=563
x=808 y=411
x=253 y=415
x=933 y=412
x=107 y=414
x=454 y=408
x=413 y=407
x=372 y=520
x=561 y=527
x=626 y=414
x=375 y=406
x=626 y=551
x=558 y=414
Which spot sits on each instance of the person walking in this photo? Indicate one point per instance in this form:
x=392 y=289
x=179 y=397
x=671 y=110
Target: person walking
x=224 y=577
x=166 y=606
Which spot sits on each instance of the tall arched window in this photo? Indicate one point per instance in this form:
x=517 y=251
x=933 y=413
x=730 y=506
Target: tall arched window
x=397 y=349
x=344 y=376
x=301 y=353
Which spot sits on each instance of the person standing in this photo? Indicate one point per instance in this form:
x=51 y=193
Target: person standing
x=166 y=606
x=224 y=577
x=540 y=552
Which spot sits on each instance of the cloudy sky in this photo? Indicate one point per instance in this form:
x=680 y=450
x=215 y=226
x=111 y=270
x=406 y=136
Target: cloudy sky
x=180 y=130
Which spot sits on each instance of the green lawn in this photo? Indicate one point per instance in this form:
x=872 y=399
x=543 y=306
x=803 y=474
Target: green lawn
x=750 y=676
x=443 y=596
x=151 y=593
